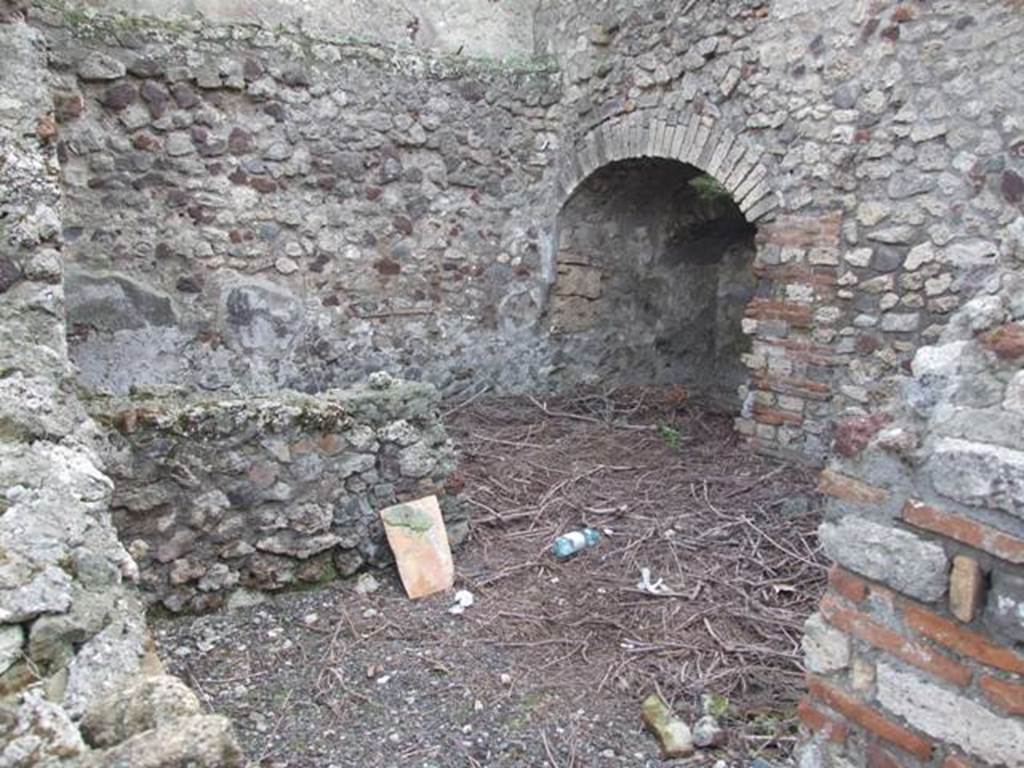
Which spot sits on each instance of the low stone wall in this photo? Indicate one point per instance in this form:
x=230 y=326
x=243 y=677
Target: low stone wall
x=269 y=492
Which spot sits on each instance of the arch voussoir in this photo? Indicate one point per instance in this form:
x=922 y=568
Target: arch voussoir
x=672 y=133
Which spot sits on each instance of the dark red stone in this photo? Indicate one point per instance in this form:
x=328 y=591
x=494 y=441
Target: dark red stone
x=240 y=142
x=1013 y=187
x=68 y=106
x=388 y=267
x=184 y=96
x=263 y=184
x=853 y=434
x=9 y=274
x=1007 y=341
x=145 y=142
x=403 y=225
x=119 y=96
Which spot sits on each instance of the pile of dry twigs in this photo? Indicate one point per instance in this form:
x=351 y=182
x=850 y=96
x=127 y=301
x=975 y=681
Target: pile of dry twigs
x=726 y=538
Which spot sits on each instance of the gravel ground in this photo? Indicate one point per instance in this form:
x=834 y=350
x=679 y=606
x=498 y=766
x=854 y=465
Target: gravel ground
x=549 y=666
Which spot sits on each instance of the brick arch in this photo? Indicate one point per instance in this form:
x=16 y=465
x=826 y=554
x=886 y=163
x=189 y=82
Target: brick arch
x=673 y=134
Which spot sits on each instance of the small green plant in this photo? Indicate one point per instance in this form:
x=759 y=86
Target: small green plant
x=715 y=705
x=710 y=190
x=673 y=437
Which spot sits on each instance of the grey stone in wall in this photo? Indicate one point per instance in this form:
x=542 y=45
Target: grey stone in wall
x=904 y=561
x=951 y=717
x=826 y=649
x=979 y=474
x=1004 y=610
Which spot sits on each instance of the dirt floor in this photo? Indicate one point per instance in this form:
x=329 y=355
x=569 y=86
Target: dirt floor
x=550 y=664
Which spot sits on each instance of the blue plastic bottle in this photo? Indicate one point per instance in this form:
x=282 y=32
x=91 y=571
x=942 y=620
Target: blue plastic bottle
x=575 y=541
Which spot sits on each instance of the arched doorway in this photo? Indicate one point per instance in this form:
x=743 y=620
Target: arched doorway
x=653 y=273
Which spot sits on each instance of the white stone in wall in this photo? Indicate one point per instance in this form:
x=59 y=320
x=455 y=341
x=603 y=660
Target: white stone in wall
x=11 y=639
x=940 y=360
x=1014 y=400
x=106 y=661
x=979 y=475
x=905 y=562
x=826 y=649
x=952 y=718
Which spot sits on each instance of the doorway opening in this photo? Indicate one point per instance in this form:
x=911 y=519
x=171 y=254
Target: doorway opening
x=653 y=275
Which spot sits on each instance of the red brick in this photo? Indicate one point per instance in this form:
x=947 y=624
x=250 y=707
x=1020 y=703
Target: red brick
x=818 y=722
x=952 y=761
x=852 y=587
x=789 y=273
x=804 y=352
x=850 y=489
x=791 y=385
x=868 y=718
x=776 y=418
x=803 y=231
x=966 y=531
x=862 y=626
x=1007 y=341
x=881 y=758
x=952 y=635
x=853 y=434
x=798 y=315
x=1007 y=696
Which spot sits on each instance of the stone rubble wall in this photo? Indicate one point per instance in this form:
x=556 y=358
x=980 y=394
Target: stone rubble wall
x=74 y=648
x=916 y=656
x=878 y=144
x=891 y=136
x=264 y=493
x=255 y=208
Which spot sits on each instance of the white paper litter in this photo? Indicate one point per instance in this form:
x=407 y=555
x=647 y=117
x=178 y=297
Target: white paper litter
x=463 y=600
x=646 y=585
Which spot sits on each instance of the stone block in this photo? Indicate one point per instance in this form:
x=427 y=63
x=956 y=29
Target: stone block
x=201 y=741
x=12 y=638
x=140 y=706
x=419 y=542
x=826 y=649
x=966 y=588
x=979 y=475
x=1004 y=612
x=895 y=557
x=1007 y=342
x=951 y=717
x=841 y=486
